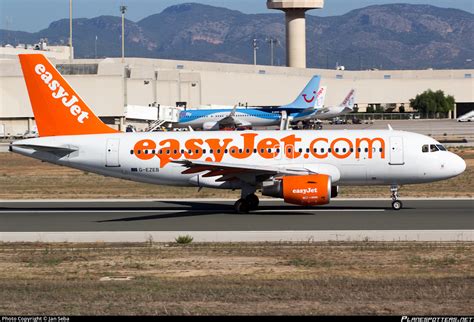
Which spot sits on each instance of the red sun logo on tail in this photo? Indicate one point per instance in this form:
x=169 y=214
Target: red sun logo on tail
x=308 y=100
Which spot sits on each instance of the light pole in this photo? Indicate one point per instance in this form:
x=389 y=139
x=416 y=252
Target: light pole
x=272 y=42
x=70 y=30
x=255 y=47
x=123 y=9
x=95 y=47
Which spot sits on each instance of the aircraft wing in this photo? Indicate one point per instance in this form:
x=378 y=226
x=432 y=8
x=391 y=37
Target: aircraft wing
x=232 y=171
x=231 y=120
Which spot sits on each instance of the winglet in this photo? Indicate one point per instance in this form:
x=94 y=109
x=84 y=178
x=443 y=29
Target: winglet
x=234 y=109
x=58 y=109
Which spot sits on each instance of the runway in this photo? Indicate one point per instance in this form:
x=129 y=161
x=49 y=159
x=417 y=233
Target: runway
x=218 y=215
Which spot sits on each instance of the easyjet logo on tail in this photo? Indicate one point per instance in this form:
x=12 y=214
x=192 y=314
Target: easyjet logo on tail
x=59 y=93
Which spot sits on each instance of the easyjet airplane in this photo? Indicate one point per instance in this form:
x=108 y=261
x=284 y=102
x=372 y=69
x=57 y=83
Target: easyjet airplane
x=302 y=167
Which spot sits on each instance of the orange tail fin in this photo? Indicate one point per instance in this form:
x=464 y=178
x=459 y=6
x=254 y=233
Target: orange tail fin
x=57 y=108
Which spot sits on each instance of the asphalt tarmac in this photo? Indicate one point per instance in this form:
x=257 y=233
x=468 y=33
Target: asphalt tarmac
x=218 y=215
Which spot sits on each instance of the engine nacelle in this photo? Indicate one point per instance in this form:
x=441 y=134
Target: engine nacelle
x=308 y=190
x=210 y=126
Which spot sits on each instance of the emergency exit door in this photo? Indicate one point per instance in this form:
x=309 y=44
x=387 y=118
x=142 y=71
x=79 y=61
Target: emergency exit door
x=112 y=153
x=396 y=151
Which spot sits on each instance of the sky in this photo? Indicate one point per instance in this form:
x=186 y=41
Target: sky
x=34 y=15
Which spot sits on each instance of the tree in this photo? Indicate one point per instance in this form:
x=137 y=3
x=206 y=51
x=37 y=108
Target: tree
x=432 y=103
x=370 y=109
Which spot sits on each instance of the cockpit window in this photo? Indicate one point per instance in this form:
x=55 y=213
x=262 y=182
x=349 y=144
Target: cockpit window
x=424 y=149
x=440 y=147
x=433 y=148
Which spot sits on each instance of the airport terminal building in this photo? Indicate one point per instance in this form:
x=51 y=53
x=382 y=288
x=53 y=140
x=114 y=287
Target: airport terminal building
x=113 y=88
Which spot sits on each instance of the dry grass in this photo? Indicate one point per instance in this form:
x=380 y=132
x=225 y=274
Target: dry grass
x=305 y=278
x=26 y=178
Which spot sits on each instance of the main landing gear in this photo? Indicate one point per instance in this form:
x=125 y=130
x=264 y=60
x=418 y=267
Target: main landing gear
x=244 y=205
x=396 y=203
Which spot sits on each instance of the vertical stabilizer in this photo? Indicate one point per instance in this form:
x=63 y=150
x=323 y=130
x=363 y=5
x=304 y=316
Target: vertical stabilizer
x=58 y=109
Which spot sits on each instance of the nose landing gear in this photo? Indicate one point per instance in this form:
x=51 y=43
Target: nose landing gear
x=396 y=203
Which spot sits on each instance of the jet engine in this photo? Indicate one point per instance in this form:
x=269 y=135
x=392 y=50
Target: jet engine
x=308 y=190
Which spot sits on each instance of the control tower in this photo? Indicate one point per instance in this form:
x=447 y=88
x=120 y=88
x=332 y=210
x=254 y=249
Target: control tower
x=295 y=11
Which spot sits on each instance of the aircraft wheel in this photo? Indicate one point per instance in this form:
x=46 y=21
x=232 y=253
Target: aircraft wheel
x=242 y=206
x=252 y=201
x=397 y=205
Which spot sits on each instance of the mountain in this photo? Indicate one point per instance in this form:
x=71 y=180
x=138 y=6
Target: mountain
x=394 y=36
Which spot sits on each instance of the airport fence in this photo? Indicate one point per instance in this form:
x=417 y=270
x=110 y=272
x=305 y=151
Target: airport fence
x=392 y=116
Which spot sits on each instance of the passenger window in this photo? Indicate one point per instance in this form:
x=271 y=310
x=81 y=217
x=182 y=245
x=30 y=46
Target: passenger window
x=433 y=148
x=424 y=149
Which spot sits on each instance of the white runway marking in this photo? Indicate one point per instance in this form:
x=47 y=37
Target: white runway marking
x=178 y=211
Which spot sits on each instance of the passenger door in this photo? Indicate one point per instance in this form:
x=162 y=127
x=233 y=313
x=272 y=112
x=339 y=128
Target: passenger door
x=396 y=151
x=112 y=153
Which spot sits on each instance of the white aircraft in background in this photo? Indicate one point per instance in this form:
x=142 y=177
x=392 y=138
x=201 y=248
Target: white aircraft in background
x=303 y=167
x=325 y=113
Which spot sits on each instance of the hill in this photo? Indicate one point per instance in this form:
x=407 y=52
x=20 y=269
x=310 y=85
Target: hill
x=394 y=36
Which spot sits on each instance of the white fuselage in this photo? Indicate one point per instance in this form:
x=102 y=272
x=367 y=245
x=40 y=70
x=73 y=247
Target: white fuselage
x=351 y=157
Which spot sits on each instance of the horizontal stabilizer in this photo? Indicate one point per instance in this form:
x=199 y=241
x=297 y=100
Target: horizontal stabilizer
x=58 y=150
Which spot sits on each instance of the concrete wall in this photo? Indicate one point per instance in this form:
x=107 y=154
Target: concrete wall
x=144 y=81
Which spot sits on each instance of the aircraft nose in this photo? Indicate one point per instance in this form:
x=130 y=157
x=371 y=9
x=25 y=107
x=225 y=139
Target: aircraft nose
x=457 y=165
